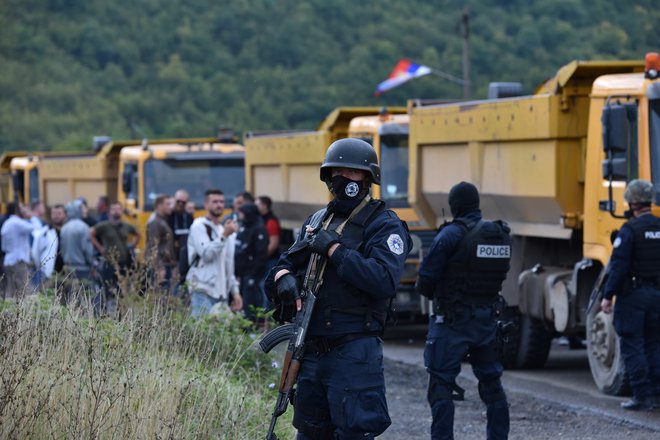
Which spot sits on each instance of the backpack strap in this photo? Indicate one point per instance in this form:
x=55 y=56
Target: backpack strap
x=209 y=232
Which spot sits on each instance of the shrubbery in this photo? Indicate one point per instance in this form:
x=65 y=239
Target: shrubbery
x=151 y=372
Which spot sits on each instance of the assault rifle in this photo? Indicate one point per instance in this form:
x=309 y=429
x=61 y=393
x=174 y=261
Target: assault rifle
x=295 y=333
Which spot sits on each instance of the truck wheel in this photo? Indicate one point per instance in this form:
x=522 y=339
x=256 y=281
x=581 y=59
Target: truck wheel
x=603 y=351
x=535 y=342
x=529 y=345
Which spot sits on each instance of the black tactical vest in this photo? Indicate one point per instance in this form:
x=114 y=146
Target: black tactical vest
x=646 y=248
x=474 y=274
x=337 y=296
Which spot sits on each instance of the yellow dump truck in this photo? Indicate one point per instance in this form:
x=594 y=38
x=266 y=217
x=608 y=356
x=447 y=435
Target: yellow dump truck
x=59 y=177
x=64 y=177
x=285 y=166
x=554 y=165
x=150 y=168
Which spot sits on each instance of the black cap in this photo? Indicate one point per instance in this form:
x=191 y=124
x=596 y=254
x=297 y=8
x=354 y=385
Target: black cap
x=463 y=199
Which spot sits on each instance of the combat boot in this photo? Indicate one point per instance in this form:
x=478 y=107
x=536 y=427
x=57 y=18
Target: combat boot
x=639 y=404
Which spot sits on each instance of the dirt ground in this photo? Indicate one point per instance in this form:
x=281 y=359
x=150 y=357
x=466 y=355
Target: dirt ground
x=531 y=418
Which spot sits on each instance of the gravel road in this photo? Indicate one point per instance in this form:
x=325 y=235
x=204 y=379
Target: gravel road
x=531 y=417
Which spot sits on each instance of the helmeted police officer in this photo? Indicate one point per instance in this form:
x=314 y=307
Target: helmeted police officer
x=463 y=274
x=341 y=388
x=634 y=277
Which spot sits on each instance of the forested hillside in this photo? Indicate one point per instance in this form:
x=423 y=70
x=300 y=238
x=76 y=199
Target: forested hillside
x=71 y=69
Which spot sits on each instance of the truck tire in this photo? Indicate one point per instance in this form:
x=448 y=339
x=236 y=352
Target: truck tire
x=535 y=342
x=604 y=353
x=529 y=344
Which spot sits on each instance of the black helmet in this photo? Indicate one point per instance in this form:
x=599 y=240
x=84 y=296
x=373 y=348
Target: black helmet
x=351 y=153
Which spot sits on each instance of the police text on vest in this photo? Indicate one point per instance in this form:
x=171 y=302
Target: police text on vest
x=653 y=235
x=493 y=251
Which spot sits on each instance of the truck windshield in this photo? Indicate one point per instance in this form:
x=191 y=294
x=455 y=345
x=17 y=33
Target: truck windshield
x=394 y=170
x=195 y=176
x=34 y=185
x=18 y=177
x=654 y=144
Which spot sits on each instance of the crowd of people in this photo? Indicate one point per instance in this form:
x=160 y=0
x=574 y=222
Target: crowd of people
x=214 y=261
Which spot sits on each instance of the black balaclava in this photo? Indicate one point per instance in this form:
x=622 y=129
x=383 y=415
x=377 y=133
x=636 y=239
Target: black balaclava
x=348 y=194
x=463 y=199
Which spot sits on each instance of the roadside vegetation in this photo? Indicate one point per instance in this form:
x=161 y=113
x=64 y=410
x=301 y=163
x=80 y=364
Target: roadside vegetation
x=148 y=372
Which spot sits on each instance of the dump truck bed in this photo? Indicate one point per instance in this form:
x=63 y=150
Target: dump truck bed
x=64 y=177
x=525 y=154
x=285 y=165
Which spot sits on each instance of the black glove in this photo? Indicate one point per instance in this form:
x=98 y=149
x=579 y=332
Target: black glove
x=322 y=240
x=287 y=289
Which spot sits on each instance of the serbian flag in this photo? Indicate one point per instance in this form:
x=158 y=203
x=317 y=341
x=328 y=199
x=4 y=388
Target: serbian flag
x=405 y=70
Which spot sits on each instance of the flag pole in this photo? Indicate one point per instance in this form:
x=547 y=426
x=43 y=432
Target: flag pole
x=447 y=76
x=465 y=21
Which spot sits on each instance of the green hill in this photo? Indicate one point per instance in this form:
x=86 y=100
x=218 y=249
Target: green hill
x=71 y=69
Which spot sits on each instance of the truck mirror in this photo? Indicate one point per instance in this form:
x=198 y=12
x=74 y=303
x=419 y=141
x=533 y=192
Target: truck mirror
x=615 y=128
x=615 y=169
x=126 y=181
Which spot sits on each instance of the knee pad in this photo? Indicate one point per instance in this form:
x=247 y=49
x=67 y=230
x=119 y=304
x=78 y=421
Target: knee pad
x=443 y=391
x=491 y=391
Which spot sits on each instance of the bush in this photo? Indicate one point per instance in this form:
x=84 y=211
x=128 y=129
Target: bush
x=153 y=373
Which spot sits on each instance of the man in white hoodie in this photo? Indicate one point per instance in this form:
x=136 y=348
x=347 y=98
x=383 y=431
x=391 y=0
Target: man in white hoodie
x=211 y=246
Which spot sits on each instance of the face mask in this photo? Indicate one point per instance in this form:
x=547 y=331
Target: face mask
x=347 y=189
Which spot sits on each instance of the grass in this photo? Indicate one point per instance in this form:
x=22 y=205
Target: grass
x=152 y=373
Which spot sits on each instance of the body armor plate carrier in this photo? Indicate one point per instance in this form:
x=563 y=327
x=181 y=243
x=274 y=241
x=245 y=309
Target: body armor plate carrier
x=337 y=296
x=646 y=256
x=474 y=274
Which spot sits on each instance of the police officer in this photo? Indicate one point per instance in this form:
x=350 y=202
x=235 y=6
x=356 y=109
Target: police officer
x=634 y=277
x=463 y=274
x=341 y=388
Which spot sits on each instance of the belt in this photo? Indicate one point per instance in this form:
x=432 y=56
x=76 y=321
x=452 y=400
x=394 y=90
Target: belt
x=322 y=344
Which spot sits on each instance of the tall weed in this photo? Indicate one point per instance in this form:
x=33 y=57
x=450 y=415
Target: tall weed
x=149 y=372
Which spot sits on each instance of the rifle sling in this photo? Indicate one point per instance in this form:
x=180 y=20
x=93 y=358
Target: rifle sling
x=314 y=262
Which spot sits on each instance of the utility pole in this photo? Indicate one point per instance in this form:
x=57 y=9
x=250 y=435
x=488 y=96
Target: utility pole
x=465 y=33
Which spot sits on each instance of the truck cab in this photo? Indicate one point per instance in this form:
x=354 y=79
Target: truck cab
x=147 y=170
x=388 y=133
x=25 y=179
x=6 y=183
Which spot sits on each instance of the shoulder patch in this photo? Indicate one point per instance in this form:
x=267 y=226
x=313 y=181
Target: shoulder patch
x=395 y=243
x=617 y=242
